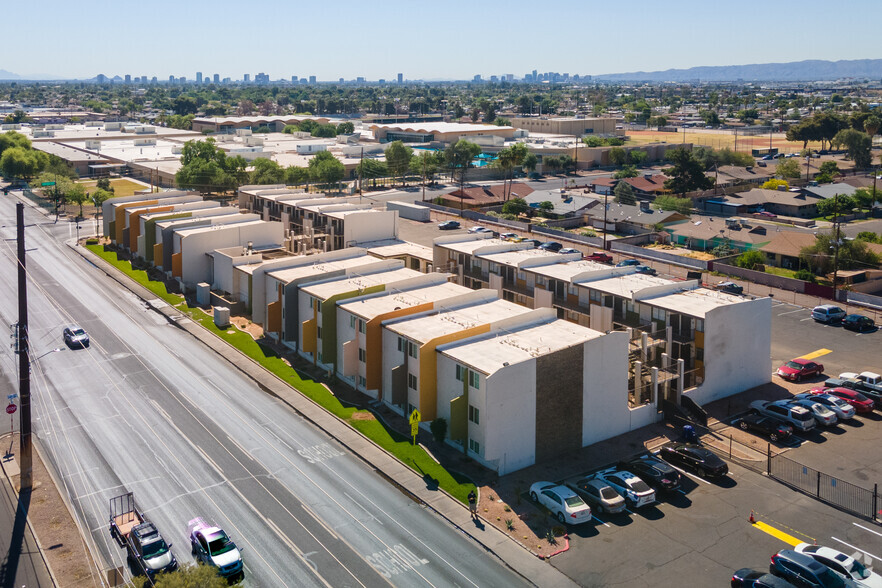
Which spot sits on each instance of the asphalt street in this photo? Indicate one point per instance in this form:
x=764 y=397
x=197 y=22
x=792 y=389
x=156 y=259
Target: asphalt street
x=146 y=409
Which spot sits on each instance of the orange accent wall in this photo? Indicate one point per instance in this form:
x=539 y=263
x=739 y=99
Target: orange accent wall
x=176 y=265
x=274 y=317
x=428 y=382
x=374 y=344
x=120 y=216
x=157 y=254
x=135 y=224
x=310 y=336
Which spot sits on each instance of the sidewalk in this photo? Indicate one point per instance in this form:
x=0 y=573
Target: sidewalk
x=492 y=539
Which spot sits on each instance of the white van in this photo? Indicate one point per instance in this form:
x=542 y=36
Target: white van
x=828 y=313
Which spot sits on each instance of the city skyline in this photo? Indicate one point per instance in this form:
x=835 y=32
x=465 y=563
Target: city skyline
x=491 y=40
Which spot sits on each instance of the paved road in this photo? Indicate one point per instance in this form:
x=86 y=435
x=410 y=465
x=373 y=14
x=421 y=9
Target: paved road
x=146 y=409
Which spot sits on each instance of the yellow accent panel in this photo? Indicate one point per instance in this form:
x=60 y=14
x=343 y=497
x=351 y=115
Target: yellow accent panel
x=310 y=336
x=789 y=539
x=120 y=216
x=459 y=425
x=176 y=265
x=816 y=354
x=699 y=339
x=274 y=317
x=428 y=382
x=374 y=343
x=157 y=254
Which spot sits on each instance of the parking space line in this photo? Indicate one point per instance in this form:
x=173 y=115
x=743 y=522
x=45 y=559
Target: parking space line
x=876 y=557
x=684 y=472
x=866 y=529
x=815 y=354
x=778 y=534
x=594 y=516
x=792 y=311
x=805 y=319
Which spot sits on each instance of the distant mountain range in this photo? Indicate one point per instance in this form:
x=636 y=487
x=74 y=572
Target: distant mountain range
x=810 y=70
x=8 y=75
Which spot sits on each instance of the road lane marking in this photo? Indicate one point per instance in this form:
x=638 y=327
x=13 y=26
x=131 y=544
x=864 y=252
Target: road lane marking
x=815 y=354
x=778 y=534
x=684 y=472
x=604 y=523
x=792 y=311
x=867 y=529
x=876 y=557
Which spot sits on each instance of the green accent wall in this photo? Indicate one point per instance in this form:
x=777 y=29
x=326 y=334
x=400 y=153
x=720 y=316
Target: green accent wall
x=150 y=232
x=329 y=320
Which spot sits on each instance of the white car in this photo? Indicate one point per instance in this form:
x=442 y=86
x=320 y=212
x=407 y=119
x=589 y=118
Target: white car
x=823 y=415
x=479 y=229
x=637 y=493
x=798 y=417
x=844 y=565
x=213 y=547
x=843 y=410
x=565 y=504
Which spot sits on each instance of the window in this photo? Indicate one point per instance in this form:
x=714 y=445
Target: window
x=362 y=381
x=541 y=280
x=475 y=380
x=362 y=327
x=594 y=295
x=572 y=289
x=412 y=349
x=412 y=382
x=410 y=409
x=658 y=314
x=402 y=344
x=474 y=415
x=362 y=355
x=699 y=354
x=351 y=321
x=320 y=360
x=699 y=325
x=461 y=373
x=475 y=446
x=318 y=305
x=522 y=276
x=318 y=332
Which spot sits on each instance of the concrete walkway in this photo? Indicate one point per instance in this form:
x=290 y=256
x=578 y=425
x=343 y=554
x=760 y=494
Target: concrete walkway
x=534 y=570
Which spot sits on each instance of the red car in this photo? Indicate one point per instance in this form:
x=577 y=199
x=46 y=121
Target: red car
x=599 y=256
x=860 y=402
x=796 y=369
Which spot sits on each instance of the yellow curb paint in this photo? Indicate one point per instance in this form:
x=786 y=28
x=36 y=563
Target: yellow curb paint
x=789 y=539
x=816 y=354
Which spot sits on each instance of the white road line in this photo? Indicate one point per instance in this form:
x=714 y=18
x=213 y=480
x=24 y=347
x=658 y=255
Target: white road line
x=605 y=524
x=684 y=472
x=876 y=557
x=867 y=529
x=791 y=311
x=807 y=319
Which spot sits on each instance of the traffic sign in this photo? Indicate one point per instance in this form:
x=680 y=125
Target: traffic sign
x=11 y=397
x=414 y=429
x=44 y=184
x=11 y=408
x=415 y=417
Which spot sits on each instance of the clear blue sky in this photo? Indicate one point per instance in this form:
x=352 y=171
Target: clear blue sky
x=451 y=39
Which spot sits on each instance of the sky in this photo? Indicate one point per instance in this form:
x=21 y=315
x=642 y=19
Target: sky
x=453 y=39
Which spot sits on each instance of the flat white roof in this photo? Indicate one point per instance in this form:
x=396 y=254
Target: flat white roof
x=392 y=248
x=290 y=274
x=325 y=290
x=372 y=306
x=229 y=227
x=695 y=303
x=491 y=352
x=624 y=286
x=517 y=257
x=428 y=327
x=342 y=214
x=469 y=246
x=567 y=271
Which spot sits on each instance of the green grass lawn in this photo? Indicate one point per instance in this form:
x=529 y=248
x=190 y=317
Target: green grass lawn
x=780 y=271
x=398 y=445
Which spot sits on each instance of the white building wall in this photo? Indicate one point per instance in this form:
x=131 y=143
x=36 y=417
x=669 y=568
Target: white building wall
x=305 y=312
x=737 y=349
x=605 y=410
x=345 y=334
x=196 y=265
x=392 y=358
x=507 y=431
x=373 y=225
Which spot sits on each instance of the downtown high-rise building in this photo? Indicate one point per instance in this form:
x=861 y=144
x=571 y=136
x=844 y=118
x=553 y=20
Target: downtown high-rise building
x=400 y=78
x=312 y=79
x=246 y=78
x=216 y=78
x=198 y=77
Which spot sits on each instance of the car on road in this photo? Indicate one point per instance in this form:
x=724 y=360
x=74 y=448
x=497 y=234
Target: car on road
x=822 y=414
x=645 y=269
x=568 y=250
x=859 y=323
x=802 y=570
x=843 y=410
x=627 y=262
x=449 y=225
x=861 y=403
x=551 y=246
x=598 y=256
x=479 y=229
x=828 y=314
x=797 y=369
x=844 y=565
x=773 y=428
x=599 y=495
x=75 y=336
x=658 y=474
x=561 y=501
x=796 y=416
x=214 y=548
x=702 y=461
x=729 y=288
x=636 y=492
x=750 y=578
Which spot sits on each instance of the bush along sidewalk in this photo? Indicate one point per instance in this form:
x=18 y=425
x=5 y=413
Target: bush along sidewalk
x=398 y=445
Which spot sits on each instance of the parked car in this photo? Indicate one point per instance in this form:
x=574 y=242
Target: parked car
x=796 y=416
x=843 y=410
x=636 y=492
x=871 y=379
x=599 y=495
x=696 y=458
x=859 y=323
x=868 y=390
x=562 y=502
x=448 y=225
x=797 y=369
x=844 y=565
x=822 y=414
x=803 y=570
x=599 y=256
x=533 y=242
x=213 y=547
x=627 y=262
x=729 y=288
x=861 y=403
x=653 y=471
x=75 y=336
x=775 y=429
x=551 y=246
x=645 y=269
x=568 y=250
x=828 y=314
x=767 y=214
x=507 y=236
x=750 y=578
x=761 y=163
x=479 y=229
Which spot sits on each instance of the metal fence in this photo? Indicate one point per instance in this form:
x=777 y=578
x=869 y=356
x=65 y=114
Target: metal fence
x=845 y=495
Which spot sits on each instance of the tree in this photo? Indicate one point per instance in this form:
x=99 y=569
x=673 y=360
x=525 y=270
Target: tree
x=515 y=206
x=13 y=139
x=291 y=129
x=710 y=117
x=266 y=171
x=681 y=205
x=325 y=131
x=851 y=255
x=687 y=173
x=552 y=163
x=295 y=175
x=628 y=171
x=185 y=105
x=567 y=164
x=398 y=156
x=371 y=169
x=308 y=125
x=624 y=193
x=614 y=141
x=637 y=156
x=872 y=124
x=98 y=197
x=865 y=197
x=325 y=168
x=869 y=237
x=618 y=156
x=77 y=195
x=829 y=167
x=21 y=162
x=750 y=259
x=245 y=108
x=775 y=184
x=787 y=168
x=193 y=576
x=345 y=128
x=837 y=205
x=858 y=145
x=531 y=160
x=592 y=141
x=206 y=168
x=545 y=208
x=505 y=162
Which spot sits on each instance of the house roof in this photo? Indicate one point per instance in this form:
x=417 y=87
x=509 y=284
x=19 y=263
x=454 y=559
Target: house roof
x=761 y=196
x=707 y=228
x=830 y=190
x=603 y=182
x=789 y=243
x=743 y=174
x=484 y=195
x=368 y=307
x=633 y=213
x=654 y=183
x=570 y=203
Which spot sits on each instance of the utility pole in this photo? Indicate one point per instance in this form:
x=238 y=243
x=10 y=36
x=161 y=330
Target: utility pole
x=605 y=210
x=24 y=361
x=837 y=225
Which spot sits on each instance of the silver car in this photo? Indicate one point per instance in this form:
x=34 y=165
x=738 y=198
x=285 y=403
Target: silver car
x=637 y=493
x=841 y=408
x=823 y=415
x=599 y=495
x=75 y=336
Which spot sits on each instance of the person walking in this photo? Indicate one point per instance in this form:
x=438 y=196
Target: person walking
x=473 y=504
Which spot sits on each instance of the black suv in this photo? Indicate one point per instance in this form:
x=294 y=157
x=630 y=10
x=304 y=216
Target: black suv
x=653 y=471
x=696 y=458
